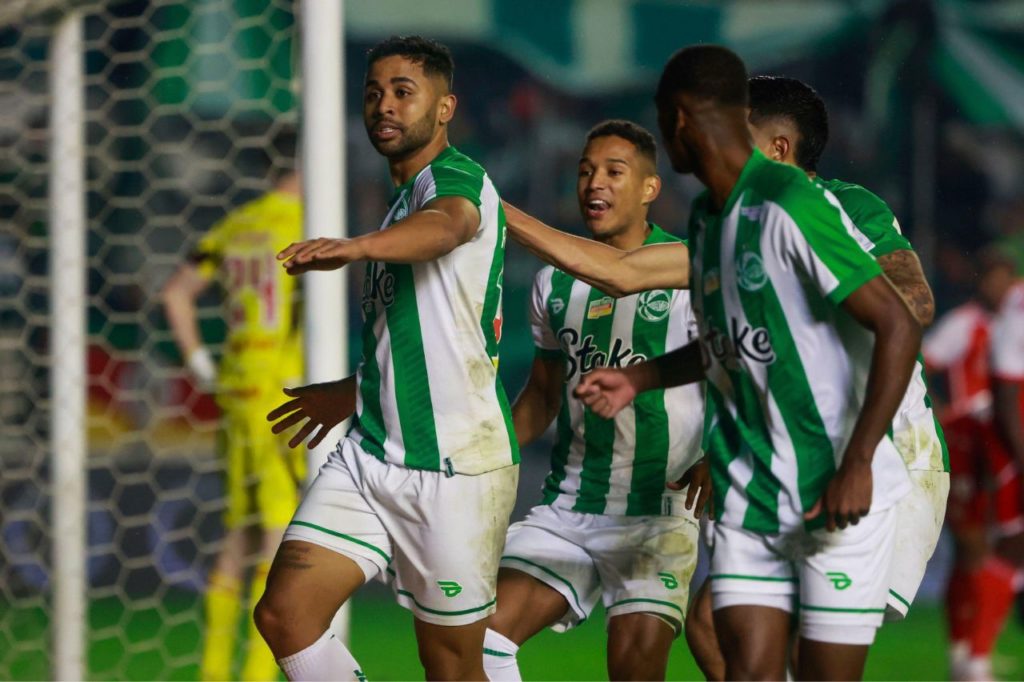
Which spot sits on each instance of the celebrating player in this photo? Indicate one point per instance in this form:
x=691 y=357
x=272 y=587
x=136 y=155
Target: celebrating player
x=789 y=123
x=419 y=492
x=810 y=352
x=262 y=352
x=602 y=529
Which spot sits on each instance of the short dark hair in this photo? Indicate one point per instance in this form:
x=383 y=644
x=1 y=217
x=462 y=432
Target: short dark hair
x=631 y=132
x=796 y=101
x=435 y=58
x=708 y=71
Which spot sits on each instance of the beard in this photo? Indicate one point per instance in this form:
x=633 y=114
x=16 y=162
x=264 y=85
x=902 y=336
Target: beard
x=412 y=139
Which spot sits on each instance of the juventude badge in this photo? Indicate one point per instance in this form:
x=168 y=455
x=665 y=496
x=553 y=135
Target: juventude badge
x=750 y=272
x=653 y=306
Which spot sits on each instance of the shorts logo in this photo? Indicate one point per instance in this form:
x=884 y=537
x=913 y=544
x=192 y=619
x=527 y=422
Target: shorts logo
x=840 y=580
x=669 y=580
x=449 y=587
x=557 y=305
x=360 y=675
x=601 y=308
x=750 y=272
x=654 y=306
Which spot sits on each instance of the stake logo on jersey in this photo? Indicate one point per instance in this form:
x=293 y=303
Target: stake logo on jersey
x=787 y=365
x=742 y=343
x=429 y=395
x=653 y=306
x=615 y=466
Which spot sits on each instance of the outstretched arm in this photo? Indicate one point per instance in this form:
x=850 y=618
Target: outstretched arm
x=613 y=271
x=876 y=306
x=607 y=391
x=903 y=268
x=438 y=229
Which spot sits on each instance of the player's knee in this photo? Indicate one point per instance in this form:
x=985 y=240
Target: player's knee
x=638 y=646
x=448 y=661
x=285 y=626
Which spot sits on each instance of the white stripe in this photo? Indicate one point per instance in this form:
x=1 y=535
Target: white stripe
x=684 y=404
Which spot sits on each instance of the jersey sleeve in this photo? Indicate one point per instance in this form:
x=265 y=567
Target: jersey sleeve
x=450 y=180
x=817 y=237
x=544 y=338
x=209 y=252
x=874 y=219
x=1007 y=350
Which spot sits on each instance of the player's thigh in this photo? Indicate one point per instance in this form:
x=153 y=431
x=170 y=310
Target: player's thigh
x=447 y=533
x=525 y=606
x=547 y=547
x=829 y=661
x=920 y=513
x=844 y=584
x=233 y=447
x=645 y=564
x=754 y=641
x=451 y=652
x=638 y=646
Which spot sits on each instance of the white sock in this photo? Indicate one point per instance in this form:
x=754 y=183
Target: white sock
x=500 y=658
x=325 y=659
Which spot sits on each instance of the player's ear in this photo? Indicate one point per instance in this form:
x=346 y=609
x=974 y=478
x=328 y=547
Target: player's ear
x=652 y=188
x=446 y=110
x=779 y=148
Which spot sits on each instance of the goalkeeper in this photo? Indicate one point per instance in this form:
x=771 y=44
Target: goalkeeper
x=262 y=352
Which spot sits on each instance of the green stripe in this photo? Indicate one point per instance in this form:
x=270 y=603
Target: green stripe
x=761 y=578
x=412 y=385
x=406 y=593
x=899 y=598
x=554 y=575
x=561 y=289
x=343 y=537
x=648 y=601
x=498 y=654
x=370 y=420
x=598 y=432
x=834 y=609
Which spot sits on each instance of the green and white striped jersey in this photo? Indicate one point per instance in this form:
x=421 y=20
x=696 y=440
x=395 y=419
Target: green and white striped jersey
x=429 y=396
x=915 y=428
x=616 y=466
x=786 y=365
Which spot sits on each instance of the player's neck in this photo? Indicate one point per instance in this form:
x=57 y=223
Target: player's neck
x=406 y=168
x=725 y=149
x=629 y=239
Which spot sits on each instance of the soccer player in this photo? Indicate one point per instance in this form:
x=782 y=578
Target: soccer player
x=262 y=351
x=977 y=345
x=606 y=527
x=419 y=492
x=809 y=354
x=789 y=123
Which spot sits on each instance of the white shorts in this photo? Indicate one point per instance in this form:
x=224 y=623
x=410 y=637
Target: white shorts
x=919 y=517
x=635 y=564
x=838 y=580
x=436 y=538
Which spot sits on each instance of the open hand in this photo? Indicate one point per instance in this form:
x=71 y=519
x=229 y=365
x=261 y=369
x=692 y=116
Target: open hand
x=323 y=406
x=606 y=391
x=319 y=254
x=847 y=496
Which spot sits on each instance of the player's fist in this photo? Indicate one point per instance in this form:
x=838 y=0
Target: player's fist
x=319 y=254
x=606 y=391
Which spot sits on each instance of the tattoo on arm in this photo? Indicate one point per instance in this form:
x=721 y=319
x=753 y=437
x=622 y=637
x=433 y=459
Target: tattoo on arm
x=293 y=557
x=904 y=271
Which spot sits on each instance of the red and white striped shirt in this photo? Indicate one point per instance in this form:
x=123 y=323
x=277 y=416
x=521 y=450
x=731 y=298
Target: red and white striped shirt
x=959 y=345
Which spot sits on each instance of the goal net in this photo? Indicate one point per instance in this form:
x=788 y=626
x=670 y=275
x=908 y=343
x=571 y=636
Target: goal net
x=181 y=102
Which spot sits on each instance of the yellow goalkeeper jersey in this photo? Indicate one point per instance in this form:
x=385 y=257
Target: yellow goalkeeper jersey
x=263 y=344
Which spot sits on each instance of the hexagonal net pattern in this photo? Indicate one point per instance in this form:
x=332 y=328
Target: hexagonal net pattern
x=184 y=100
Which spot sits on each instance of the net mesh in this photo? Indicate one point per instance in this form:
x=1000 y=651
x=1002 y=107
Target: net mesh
x=182 y=102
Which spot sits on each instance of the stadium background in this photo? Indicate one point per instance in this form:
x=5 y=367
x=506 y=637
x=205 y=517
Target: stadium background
x=927 y=105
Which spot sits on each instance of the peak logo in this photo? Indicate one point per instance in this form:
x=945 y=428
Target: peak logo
x=743 y=341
